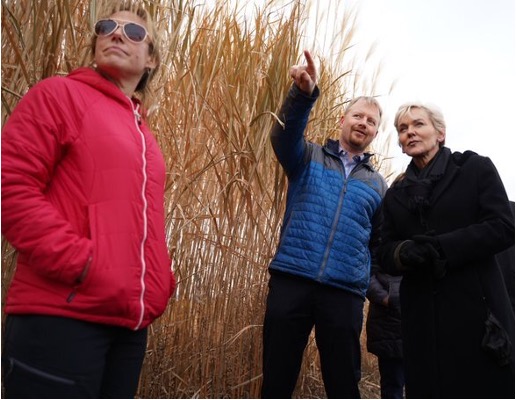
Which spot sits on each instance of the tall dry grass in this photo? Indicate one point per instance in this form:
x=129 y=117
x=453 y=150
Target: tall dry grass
x=224 y=74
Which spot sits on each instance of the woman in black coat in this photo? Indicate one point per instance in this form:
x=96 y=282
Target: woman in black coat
x=444 y=222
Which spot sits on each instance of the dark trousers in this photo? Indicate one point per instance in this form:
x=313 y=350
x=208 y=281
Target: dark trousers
x=294 y=307
x=53 y=357
x=392 y=377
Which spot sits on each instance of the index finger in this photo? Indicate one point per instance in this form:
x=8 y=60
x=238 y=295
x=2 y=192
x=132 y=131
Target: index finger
x=309 y=59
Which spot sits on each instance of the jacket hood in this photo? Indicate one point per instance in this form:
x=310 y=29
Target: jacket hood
x=91 y=77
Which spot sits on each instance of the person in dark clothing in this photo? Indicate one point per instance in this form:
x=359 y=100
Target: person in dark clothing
x=383 y=328
x=443 y=225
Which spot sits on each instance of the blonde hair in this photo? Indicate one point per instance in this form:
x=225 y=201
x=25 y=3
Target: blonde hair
x=369 y=100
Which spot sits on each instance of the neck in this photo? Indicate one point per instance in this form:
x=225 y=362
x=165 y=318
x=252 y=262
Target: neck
x=127 y=86
x=350 y=150
x=425 y=159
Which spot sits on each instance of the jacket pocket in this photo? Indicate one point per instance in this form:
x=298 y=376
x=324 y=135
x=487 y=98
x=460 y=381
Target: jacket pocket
x=82 y=279
x=112 y=284
x=21 y=380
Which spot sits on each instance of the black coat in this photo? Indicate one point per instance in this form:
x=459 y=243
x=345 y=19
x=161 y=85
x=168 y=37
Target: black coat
x=383 y=326
x=506 y=261
x=443 y=319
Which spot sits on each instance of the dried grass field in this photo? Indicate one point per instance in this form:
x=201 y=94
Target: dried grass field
x=222 y=78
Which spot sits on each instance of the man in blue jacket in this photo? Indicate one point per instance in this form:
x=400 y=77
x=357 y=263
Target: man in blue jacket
x=320 y=272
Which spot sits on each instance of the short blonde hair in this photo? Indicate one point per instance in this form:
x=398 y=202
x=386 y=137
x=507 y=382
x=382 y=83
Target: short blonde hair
x=369 y=100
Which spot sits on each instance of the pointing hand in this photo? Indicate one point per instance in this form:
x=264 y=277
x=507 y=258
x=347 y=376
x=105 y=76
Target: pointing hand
x=305 y=76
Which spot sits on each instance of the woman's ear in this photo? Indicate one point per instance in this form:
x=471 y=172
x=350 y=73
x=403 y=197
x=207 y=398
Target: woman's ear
x=151 y=63
x=442 y=136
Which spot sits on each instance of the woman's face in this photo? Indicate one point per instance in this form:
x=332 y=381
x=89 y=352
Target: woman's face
x=418 y=137
x=120 y=58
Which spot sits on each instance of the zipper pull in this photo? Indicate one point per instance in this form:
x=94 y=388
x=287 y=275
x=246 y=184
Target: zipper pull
x=79 y=280
x=137 y=114
x=71 y=295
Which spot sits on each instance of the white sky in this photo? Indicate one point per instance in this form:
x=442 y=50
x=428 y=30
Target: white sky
x=457 y=54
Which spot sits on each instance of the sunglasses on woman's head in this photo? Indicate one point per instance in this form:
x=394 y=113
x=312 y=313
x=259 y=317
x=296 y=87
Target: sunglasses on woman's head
x=132 y=31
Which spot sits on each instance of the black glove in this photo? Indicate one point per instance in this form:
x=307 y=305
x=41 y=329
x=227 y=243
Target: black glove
x=414 y=255
x=439 y=265
x=428 y=239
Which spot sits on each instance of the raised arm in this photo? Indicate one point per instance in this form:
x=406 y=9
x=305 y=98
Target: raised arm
x=287 y=135
x=305 y=76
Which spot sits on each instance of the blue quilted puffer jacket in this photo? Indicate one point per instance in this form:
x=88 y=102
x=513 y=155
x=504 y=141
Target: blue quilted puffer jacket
x=329 y=218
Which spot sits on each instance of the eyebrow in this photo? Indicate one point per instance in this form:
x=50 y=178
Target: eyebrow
x=412 y=121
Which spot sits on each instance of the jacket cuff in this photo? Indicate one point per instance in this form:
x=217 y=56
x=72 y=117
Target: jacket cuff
x=295 y=92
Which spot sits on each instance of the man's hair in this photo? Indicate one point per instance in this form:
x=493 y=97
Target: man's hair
x=369 y=100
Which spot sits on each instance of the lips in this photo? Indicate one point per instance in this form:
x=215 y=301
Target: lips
x=115 y=49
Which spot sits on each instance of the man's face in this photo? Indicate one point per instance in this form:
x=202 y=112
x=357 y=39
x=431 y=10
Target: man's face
x=359 y=126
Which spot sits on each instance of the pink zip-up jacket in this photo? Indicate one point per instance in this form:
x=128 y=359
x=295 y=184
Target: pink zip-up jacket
x=83 y=203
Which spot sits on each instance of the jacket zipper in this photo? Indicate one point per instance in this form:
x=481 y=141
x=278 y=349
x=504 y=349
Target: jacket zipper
x=322 y=268
x=137 y=120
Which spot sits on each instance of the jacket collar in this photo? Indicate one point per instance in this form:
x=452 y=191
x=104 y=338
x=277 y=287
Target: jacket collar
x=91 y=77
x=332 y=147
x=451 y=170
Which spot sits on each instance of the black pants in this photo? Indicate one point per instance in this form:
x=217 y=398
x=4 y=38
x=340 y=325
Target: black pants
x=294 y=307
x=53 y=357
x=392 y=377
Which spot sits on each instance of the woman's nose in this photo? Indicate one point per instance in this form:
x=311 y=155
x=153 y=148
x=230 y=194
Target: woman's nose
x=118 y=30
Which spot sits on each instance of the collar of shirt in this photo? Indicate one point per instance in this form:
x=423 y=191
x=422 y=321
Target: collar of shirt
x=348 y=161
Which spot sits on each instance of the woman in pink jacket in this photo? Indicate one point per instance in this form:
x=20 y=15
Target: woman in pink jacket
x=83 y=204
